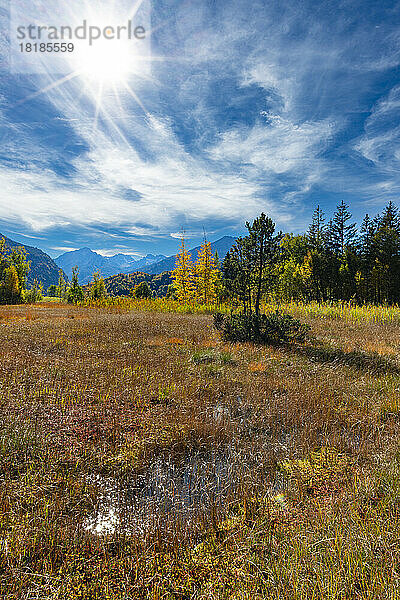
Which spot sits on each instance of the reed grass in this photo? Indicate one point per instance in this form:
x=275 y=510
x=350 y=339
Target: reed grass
x=163 y=305
x=346 y=311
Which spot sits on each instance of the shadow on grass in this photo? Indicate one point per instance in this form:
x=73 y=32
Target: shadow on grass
x=363 y=361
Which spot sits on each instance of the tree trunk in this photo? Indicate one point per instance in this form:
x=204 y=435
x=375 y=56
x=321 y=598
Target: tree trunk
x=260 y=270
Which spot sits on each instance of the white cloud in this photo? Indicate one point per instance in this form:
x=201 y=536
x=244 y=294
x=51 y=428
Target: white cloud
x=177 y=235
x=106 y=252
x=380 y=143
x=279 y=146
x=64 y=248
x=169 y=188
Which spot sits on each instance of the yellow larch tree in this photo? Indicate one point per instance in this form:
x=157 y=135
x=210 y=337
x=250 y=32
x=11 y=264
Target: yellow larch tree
x=11 y=284
x=207 y=275
x=183 y=275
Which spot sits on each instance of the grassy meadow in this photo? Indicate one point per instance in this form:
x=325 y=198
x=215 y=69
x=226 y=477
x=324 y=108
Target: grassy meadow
x=142 y=457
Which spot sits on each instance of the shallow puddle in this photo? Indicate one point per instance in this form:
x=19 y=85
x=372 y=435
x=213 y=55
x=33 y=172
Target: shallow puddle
x=170 y=492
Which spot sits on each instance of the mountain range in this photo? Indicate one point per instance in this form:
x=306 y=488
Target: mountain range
x=46 y=270
x=221 y=246
x=43 y=268
x=88 y=261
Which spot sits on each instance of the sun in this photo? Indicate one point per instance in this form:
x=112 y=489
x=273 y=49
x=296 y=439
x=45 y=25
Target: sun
x=108 y=63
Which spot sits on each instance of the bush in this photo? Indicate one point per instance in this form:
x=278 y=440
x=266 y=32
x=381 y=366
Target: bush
x=272 y=328
x=219 y=321
x=142 y=291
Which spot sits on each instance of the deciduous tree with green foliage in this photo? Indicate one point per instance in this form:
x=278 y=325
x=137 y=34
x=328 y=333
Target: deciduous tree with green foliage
x=97 y=289
x=34 y=294
x=13 y=270
x=294 y=270
x=61 y=285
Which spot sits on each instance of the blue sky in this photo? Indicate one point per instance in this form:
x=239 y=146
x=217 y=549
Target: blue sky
x=250 y=107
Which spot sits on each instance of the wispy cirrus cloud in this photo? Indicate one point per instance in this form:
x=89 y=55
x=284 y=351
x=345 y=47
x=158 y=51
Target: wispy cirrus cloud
x=380 y=142
x=279 y=146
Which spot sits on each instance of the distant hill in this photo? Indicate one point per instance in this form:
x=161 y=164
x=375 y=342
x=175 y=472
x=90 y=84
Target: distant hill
x=89 y=262
x=43 y=267
x=222 y=246
x=122 y=284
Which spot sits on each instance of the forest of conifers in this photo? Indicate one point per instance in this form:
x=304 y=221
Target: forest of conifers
x=332 y=261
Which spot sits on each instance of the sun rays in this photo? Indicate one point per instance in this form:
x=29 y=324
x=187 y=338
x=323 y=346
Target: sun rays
x=104 y=71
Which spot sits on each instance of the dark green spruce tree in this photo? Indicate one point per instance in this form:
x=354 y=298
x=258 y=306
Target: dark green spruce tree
x=75 y=292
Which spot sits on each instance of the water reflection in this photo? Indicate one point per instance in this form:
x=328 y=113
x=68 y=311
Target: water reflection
x=169 y=491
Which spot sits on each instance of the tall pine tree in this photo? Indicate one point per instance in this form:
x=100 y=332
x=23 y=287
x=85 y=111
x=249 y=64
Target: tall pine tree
x=315 y=234
x=341 y=233
x=264 y=249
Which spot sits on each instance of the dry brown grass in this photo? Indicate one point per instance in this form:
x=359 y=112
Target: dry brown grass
x=84 y=393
